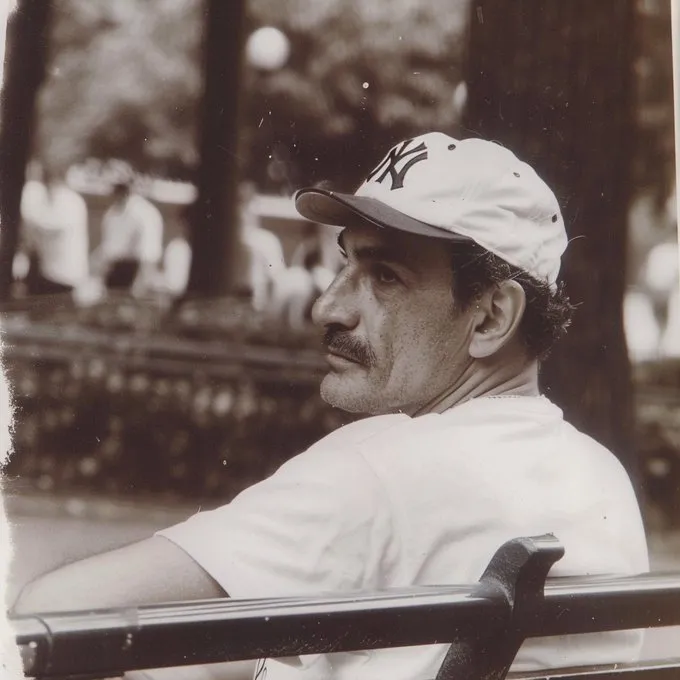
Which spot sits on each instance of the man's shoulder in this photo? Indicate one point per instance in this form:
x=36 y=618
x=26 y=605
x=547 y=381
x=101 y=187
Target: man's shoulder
x=33 y=195
x=34 y=188
x=326 y=480
x=143 y=206
x=71 y=199
x=264 y=241
x=362 y=431
x=343 y=457
x=397 y=432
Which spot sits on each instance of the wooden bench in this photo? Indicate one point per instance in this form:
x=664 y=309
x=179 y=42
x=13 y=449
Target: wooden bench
x=484 y=623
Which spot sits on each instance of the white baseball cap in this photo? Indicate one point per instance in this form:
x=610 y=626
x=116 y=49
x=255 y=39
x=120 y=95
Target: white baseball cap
x=457 y=190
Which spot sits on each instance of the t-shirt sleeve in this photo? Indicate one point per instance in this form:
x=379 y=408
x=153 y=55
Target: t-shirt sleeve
x=319 y=524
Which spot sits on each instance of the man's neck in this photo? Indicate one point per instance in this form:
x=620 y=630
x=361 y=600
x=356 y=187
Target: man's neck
x=513 y=378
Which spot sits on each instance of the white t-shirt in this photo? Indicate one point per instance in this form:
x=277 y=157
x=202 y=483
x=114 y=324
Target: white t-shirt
x=56 y=228
x=394 y=501
x=133 y=231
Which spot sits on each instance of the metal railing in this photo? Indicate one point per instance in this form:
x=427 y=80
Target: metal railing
x=485 y=623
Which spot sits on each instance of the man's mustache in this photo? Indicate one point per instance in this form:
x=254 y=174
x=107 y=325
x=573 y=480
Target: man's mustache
x=341 y=341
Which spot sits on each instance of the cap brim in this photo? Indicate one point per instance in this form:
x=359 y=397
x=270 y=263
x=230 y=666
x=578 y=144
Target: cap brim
x=341 y=210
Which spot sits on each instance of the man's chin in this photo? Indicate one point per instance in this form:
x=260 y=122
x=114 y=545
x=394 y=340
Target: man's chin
x=341 y=391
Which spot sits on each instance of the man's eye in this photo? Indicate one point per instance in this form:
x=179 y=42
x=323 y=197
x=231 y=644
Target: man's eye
x=385 y=274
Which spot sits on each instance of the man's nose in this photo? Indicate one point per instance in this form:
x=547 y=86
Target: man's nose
x=338 y=303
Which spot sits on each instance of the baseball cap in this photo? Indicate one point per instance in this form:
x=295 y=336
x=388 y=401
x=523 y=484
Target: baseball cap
x=455 y=190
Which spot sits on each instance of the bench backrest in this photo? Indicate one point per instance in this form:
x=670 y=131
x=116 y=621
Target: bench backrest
x=485 y=623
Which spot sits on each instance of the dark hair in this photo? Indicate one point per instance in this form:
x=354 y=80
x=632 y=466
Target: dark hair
x=122 y=188
x=548 y=312
x=311 y=259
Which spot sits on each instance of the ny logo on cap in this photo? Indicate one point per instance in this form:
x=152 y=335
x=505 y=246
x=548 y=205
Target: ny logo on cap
x=388 y=165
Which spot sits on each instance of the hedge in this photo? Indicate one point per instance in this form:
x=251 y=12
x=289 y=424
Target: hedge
x=189 y=407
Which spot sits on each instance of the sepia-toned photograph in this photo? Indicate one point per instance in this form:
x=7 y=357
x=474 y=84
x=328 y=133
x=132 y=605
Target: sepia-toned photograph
x=340 y=340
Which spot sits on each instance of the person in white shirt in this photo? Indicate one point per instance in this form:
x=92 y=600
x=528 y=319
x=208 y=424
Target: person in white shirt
x=260 y=261
x=54 y=236
x=435 y=327
x=131 y=248
x=298 y=286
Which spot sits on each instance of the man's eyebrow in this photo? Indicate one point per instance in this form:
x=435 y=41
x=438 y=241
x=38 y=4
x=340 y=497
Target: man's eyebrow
x=384 y=253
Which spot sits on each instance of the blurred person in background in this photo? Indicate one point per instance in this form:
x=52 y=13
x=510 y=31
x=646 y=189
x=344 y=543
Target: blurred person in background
x=662 y=281
x=435 y=327
x=651 y=313
x=261 y=260
x=130 y=252
x=54 y=249
x=298 y=286
x=176 y=266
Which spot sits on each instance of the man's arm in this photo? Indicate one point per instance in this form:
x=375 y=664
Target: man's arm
x=153 y=570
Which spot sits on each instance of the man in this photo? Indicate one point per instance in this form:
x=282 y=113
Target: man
x=54 y=238
x=435 y=326
x=132 y=242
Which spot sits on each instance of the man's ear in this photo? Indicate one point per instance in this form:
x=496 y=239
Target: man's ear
x=497 y=318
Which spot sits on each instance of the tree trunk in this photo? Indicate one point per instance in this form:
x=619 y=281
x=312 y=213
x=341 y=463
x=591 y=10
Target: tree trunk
x=552 y=80
x=26 y=49
x=213 y=221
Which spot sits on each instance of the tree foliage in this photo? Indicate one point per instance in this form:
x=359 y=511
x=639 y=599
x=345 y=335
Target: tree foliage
x=125 y=82
x=360 y=77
